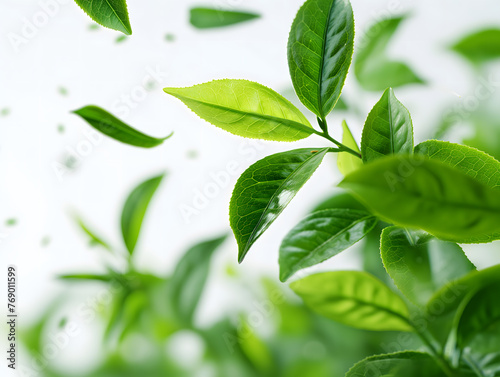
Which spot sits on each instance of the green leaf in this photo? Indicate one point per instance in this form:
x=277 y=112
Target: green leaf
x=471 y=161
x=415 y=191
x=373 y=69
x=320 y=49
x=254 y=348
x=354 y=298
x=340 y=199
x=245 y=108
x=419 y=264
x=134 y=210
x=95 y=277
x=206 y=18
x=112 y=14
x=189 y=278
x=406 y=363
x=388 y=129
x=449 y=297
x=479 y=47
x=113 y=127
x=346 y=162
x=264 y=190
x=320 y=236
x=480 y=314
x=94 y=239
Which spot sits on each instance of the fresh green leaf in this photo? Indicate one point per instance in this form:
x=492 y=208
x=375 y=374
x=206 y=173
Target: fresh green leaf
x=320 y=236
x=320 y=49
x=480 y=314
x=449 y=297
x=94 y=239
x=346 y=162
x=373 y=69
x=406 y=363
x=265 y=189
x=189 y=278
x=245 y=108
x=134 y=210
x=471 y=161
x=388 y=129
x=206 y=18
x=113 y=127
x=112 y=14
x=419 y=264
x=354 y=298
x=479 y=47
x=415 y=191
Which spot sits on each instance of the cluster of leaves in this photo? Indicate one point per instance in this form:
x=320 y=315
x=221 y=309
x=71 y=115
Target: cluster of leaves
x=436 y=194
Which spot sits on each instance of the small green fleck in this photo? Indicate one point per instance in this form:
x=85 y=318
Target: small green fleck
x=93 y=27
x=169 y=37
x=63 y=91
x=5 y=111
x=63 y=322
x=60 y=128
x=231 y=271
x=150 y=85
x=70 y=162
x=192 y=154
x=121 y=39
x=11 y=222
x=45 y=241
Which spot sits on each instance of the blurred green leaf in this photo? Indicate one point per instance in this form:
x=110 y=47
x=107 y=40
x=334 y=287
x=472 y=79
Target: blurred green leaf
x=94 y=239
x=113 y=127
x=95 y=277
x=479 y=47
x=373 y=69
x=189 y=278
x=264 y=190
x=320 y=236
x=255 y=349
x=346 y=162
x=112 y=14
x=388 y=129
x=354 y=298
x=11 y=222
x=320 y=49
x=207 y=18
x=419 y=264
x=134 y=210
x=340 y=199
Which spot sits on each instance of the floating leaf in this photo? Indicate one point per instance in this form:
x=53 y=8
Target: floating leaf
x=207 y=18
x=479 y=47
x=112 y=14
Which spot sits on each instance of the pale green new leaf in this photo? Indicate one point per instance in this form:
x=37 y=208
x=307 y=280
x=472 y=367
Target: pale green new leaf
x=206 y=18
x=479 y=47
x=320 y=236
x=419 y=264
x=373 y=68
x=388 y=129
x=320 y=49
x=480 y=314
x=406 y=363
x=189 y=278
x=112 y=14
x=134 y=210
x=415 y=191
x=264 y=190
x=346 y=162
x=113 y=127
x=354 y=298
x=94 y=238
x=245 y=108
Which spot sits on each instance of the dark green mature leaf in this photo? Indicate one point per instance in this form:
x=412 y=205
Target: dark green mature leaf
x=134 y=210
x=471 y=161
x=480 y=314
x=449 y=297
x=189 y=278
x=419 y=264
x=415 y=191
x=373 y=69
x=112 y=14
x=265 y=189
x=406 y=363
x=245 y=108
x=94 y=239
x=388 y=129
x=354 y=298
x=319 y=52
x=320 y=236
x=113 y=127
x=206 y=18
x=346 y=162
x=479 y=47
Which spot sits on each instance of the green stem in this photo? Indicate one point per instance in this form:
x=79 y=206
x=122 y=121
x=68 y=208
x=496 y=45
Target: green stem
x=473 y=366
x=326 y=135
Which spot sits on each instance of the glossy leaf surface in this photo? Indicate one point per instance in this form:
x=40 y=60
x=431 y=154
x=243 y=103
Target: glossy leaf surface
x=112 y=14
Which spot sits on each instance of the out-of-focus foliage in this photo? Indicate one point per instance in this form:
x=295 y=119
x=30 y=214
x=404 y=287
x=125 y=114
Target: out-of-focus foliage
x=208 y=18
